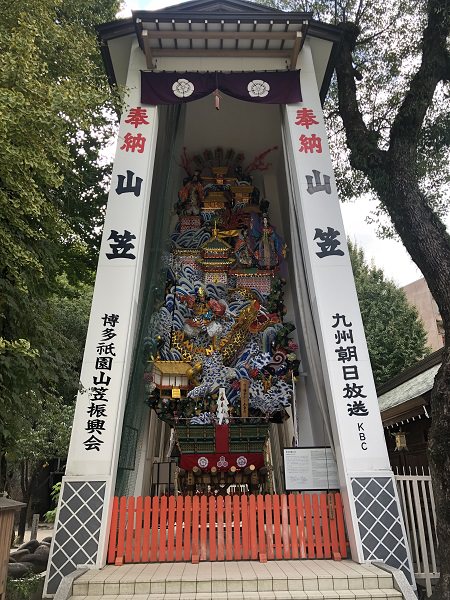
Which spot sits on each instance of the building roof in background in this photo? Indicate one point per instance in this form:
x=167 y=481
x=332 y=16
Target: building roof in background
x=412 y=383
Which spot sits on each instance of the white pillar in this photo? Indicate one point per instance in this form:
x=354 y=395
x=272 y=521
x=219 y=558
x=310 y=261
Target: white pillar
x=373 y=517
x=82 y=523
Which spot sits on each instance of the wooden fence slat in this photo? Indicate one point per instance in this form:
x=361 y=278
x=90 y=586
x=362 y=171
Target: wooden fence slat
x=301 y=526
x=229 y=530
x=237 y=527
x=253 y=530
x=430 y=530
x=317 y=528
x=421 y=530
x=195 y=526
x=220 y=532
x=285 y=526
x=333 y=525
x=212 y=529
x=325 y=528
x=122 y=527
x=203 y=527
x=261 y=532
x=269 y=527
x=179 y=529
x=129 y=530
x=415 y=546
x=147 y=529
x=245 y=528
x=403 y=503
x=113 y=531
x=187 y=529
x=171 y=529
x=309 y=527
x=155 y=519
x=293 y=524
x=276 y=526
x=341 y=526
x=138 y=530
x=162 y=529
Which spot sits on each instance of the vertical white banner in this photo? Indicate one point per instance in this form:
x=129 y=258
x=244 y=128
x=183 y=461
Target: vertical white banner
x=84 y=509
x=374 y=520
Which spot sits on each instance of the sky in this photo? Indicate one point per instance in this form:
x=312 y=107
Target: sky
x=386 y=254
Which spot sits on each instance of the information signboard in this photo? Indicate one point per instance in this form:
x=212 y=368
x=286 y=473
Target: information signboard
x=310 y=469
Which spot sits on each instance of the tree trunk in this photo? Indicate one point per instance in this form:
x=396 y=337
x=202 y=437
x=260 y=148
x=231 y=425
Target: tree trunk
x=428 y=244
x=393 y=175
x=26 y=498
x=3 y=468
x=23 y=518
x=439 y=457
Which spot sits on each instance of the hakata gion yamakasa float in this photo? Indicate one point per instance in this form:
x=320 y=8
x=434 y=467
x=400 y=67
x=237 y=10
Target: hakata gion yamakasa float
x=222 y=360
x=225 y=350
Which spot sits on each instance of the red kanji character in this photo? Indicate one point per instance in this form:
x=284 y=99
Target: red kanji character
x=133 y=142
x=137 y=116
x=306 y=117
x=309 y=144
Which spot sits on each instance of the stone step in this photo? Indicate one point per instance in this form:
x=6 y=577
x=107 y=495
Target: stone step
x=376 y=594
x=311 y=579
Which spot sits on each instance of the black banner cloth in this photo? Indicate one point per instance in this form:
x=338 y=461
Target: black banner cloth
x=276 y=87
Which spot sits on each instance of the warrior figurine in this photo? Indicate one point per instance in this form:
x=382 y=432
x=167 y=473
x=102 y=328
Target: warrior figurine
x=191 y=196
x=269 y=248
x=243 y=250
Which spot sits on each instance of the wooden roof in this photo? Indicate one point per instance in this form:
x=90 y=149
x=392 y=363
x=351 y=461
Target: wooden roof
x=407 y=394
x=220 y=28
x=172 y=367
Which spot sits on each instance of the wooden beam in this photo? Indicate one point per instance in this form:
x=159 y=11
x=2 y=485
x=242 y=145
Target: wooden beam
x=218 y=52
x=222 y=35
x=296 y=50
x=147 y=50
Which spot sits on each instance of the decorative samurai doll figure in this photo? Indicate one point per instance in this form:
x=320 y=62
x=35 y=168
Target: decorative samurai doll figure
x=269 y=248
x=191 y=196
x=243 y=250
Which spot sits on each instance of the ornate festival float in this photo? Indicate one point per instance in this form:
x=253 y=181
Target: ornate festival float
x=194 y=307
x=221 y=362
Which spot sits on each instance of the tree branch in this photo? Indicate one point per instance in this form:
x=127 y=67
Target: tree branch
x=434 y=68
x=363 y=143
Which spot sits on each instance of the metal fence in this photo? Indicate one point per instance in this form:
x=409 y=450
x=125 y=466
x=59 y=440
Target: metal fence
x=418 y=507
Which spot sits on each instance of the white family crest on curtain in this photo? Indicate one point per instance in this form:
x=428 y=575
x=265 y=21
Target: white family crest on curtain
x=258 y=88
x=264 y=87
x=203 y=462
x=182 y=88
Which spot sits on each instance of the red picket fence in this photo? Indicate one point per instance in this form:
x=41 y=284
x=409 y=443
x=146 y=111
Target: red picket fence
x=260 y=527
